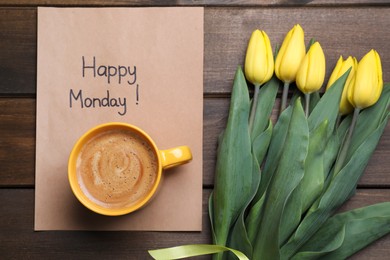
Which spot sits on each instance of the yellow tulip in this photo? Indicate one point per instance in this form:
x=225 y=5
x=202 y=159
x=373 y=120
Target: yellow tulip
x=290 y=55
x=311 y=73
x=341 y=67
x=368 y=82
x=259 y=61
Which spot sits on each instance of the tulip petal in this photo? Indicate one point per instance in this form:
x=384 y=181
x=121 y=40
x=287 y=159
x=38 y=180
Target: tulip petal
x=259 y=64
x=335 y=73
x=311 y=73
x=368 y=82
x=290 y=55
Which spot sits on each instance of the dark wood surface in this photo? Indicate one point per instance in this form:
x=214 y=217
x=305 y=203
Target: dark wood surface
x=347 y=27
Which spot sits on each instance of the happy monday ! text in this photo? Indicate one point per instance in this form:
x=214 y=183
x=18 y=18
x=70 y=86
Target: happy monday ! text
x=126 y=75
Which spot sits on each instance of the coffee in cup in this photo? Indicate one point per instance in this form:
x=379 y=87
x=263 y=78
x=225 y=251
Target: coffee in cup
x=115 y=168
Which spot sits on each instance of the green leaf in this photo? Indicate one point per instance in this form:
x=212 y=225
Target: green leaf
x=239 y=238
x=359 y=234
x=275 y=151
x=340 y=189
x=291 y=215
x=311 y=185
x=287 y=176
x=253 y=219
x=369 y=119
x=332 y=149
x=261 y=143
x=360 y=227
x=328 y=106
x=314 y=99
x=185 y=251
x=313 y=181
x=322 y=248
x=211 y=216
x=334 y=144
x=233 y=176
x=265 y=104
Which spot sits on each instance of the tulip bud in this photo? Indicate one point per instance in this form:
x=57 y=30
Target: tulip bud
x=341 y=67
x=259 y=61
x=311 y=73
x=290 y=55
x=368 y=81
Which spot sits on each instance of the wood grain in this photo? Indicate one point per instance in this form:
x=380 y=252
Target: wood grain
x=18 y=240
x=227 y=31
x=194 y=3
x=17 y=143
x=343 y=27
x=18 y=50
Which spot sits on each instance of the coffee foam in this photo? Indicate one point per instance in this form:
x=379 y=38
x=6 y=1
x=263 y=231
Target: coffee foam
x=117 y=168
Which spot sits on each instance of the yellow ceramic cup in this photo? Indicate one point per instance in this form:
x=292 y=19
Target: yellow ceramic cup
x=165 y=159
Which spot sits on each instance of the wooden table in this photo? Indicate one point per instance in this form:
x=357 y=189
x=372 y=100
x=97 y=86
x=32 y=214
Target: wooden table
x=345 y=27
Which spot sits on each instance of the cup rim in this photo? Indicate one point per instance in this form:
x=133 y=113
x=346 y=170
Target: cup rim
x=72 y=174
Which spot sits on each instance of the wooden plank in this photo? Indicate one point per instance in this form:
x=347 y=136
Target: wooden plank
x=341 y=31
x=18 y=240
x=223 y=52
x=17 y=143
x=18 y=50
x=193 y=3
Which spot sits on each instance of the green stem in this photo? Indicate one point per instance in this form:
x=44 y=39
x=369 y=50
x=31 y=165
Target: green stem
x=284 y=97
x=338 y=121
x=218 y=256
x=344 y=149
x=307 y=104
x=254 y=106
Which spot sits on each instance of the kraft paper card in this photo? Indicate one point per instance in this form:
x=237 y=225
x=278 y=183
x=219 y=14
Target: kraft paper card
x=142 y=66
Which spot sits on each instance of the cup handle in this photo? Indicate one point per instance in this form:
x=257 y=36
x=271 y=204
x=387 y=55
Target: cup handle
x=175 y=156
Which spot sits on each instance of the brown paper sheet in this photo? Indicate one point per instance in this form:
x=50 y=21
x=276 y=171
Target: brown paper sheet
x=157 y=54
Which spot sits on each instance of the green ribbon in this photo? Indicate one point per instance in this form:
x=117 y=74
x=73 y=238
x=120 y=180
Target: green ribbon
x=179 y=252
